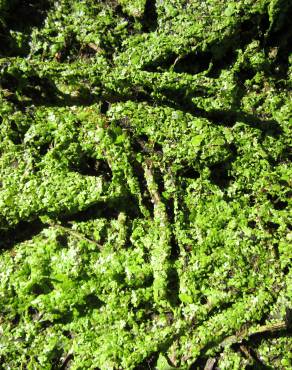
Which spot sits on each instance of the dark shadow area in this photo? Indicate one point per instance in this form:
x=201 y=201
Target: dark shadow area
x=219 y=64
x=220 y=52
x=280 y=37
x=161 y=64
x=110 y=209
x=44 y=148
x=173 y=287
x=258 y=363
x=17 y=134
x=271 y=227
x=41 y=91
x=277 y=203
x=89 y=166
x=178 y=99
x=169 y=205
x=27 y=13
x=188 y=172
x=204 y=363
x=150 y=17
x=158 y=177
x=21 y=16
x=25 y=230
x=220 y=172
x=104 y=107
x=139 y=173
x=245 y=73
x=193 y=63
x=44 y=286
x=92 y=302
x=62 y=239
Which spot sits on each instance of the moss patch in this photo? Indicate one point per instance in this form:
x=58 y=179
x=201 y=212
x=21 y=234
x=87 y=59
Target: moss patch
x=145 y=184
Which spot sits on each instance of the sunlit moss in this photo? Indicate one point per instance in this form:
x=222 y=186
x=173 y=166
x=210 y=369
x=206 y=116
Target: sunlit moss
x=145 y=184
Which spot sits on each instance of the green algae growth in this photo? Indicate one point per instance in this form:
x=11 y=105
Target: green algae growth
x=145 y=184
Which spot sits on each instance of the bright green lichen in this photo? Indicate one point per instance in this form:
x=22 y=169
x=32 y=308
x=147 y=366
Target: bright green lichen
x=145 y=184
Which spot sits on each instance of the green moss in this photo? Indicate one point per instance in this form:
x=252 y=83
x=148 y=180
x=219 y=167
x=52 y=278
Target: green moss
x=145 y=184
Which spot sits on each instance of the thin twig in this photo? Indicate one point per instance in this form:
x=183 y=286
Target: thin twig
x=74 y=233
x=237 y=338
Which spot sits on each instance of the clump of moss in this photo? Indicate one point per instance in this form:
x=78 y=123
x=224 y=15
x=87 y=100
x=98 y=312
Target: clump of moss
x=145 y=184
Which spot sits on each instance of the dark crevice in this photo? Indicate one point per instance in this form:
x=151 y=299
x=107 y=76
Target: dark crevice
x=161 y=65
x=271 y=226
x=24 y=230
x=89 y=166
x=279 y=33
x=179 y=100
x=15 y=321
x=245 y=73
x=87 y=51
x=139 y=143
x=110 y=209
x=44 y=148
x=203 y=299
x=173 y=287
x=277 y=203
x=220 y=172
x=193 y=63
x=104 y=107
x=55 y=360
x=91 y=302
x=27 y=13
x=221 y=54
x=174 y=251
x=220 y=175
x=44 y=286
x=41 y=91
x=251 y=224
x=139 y=173
x=224 y=62
x=158 y=148
x=150 y=17
x=280 y=205
x=45 y=92
x=288 y=319
x=159 y=181
x=280 y=37
x=188 y=172
x=169 y=205
x=202 y=362
x=62 y=240
x=21 y=16
x=17 y=134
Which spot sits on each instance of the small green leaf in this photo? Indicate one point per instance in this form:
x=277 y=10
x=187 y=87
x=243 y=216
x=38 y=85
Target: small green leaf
x=196 y=140
x=162 y=364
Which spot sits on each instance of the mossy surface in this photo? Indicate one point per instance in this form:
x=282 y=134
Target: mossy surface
x=145 y=184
